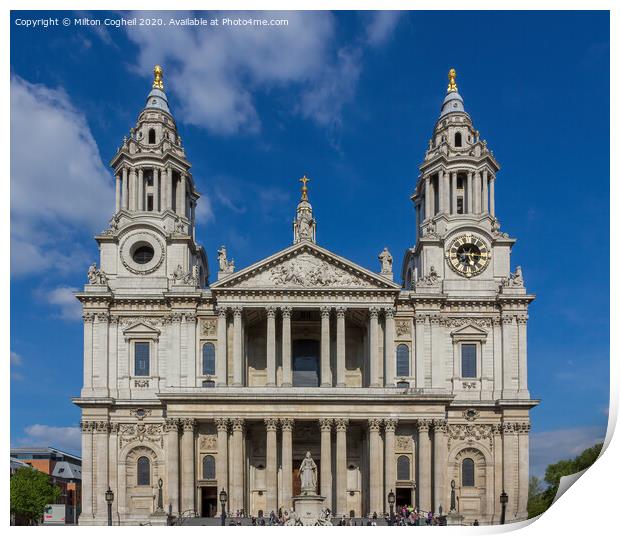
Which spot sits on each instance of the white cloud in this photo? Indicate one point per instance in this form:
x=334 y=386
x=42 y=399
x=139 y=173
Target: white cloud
x=67 y=438
x=381 y=26
x=214 y=72
x=58 y=181
x=16 y=361
x=63 y=298
x=564 y=443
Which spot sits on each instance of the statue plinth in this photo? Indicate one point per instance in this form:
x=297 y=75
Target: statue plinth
x=308 y=507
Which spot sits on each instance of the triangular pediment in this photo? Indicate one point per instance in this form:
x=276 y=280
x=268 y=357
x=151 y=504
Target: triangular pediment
x=469 y=329
x=141 y=329
x=305 y=266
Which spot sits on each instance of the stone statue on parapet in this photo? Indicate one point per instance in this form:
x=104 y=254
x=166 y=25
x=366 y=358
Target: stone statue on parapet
x=225 y=265
x=385 y=257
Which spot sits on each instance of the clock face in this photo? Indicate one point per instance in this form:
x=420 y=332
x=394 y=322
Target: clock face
x=468 y=255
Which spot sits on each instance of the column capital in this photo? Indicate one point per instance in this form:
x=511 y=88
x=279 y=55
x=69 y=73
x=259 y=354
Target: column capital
x=221 y=423
x=424 y=425
x=374 y=312
x=188 y=425
x=237 y=311
x=221 y=310
x=171 y=425
x=341 y=424
x=271 y=311
x=286 y=311
x=374 y=424
x=287 y=424
x=87 y=426
x=440 y=426
x=390 y=424
x=271 y=423
x=326 y=424
x=325 y=311
x=238 y=424
x=389 y=312
x=341 y=312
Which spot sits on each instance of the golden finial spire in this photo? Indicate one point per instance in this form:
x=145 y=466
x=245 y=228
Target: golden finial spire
x=158 y=80
x=304 y=189
x=452 y=80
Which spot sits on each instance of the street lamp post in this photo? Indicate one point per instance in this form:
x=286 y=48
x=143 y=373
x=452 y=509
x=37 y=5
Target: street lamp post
x=503 y=499
x=223 y=500
x=160 y=496
x=109 y=498
x=391 y=500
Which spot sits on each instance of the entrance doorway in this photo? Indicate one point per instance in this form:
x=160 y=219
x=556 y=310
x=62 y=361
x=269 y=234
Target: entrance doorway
x=306 y=363
x=403 y=497
x=208 y=501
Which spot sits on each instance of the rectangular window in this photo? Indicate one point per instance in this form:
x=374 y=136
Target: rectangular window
x=149 y=203
x=142 y=358
x=468 y=361
x=459 y=205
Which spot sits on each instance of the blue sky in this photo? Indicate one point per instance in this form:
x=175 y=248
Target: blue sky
x=350 y=99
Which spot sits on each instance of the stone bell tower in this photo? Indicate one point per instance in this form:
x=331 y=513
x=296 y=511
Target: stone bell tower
x=456 y=191
x=150 y=244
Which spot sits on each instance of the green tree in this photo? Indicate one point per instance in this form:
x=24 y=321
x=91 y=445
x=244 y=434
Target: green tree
x=540 y=500
x=31 y=491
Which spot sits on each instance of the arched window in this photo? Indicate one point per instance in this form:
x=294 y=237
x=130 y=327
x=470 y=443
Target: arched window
x=208 y=468
x=403 y=468
x=467 y=469
x=144 y=471
x=208 y=359
x=151 y=135
x=458 y=140
x=402 y=360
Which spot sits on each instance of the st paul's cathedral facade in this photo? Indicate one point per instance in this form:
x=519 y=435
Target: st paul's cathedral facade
x=202 y=378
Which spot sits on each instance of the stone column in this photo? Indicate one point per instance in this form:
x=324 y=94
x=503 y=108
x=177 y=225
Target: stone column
x=341 y=466
x=477 y=193
x=125 y=188
x=446 y=192
x=181 y=196
x=374 y=346
x=523 y=438
x=164 y=188
x=156 y=189
x=509 y=355
x=511 y=468
x=87 y=471
x=133 y=194
x=140 y=189
x=188 y=466
x=101 y=459
x=492 y=195
x=237 y=347
x=340 y=347
x=454 y=196
x=221 y=356
x=287 y=462
x=326 y=461
x=169 y=188
x=427 y=198
x=287 y=380
x=440 y=193
x=390 y=461
x=420 y=371
x=390 y=357
x=118 y=192
x=238 y=465
x=326 y=373
x=469 y=192
x=485 y=191
x=113 y=472
x=424 y=476
x=271 y=346
x=171 y=427
x=88 y=350
x=374 y=484
x=221 y=467
x=522 y=337
x=440 y=445
x=271 y=425
x=190 y=333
